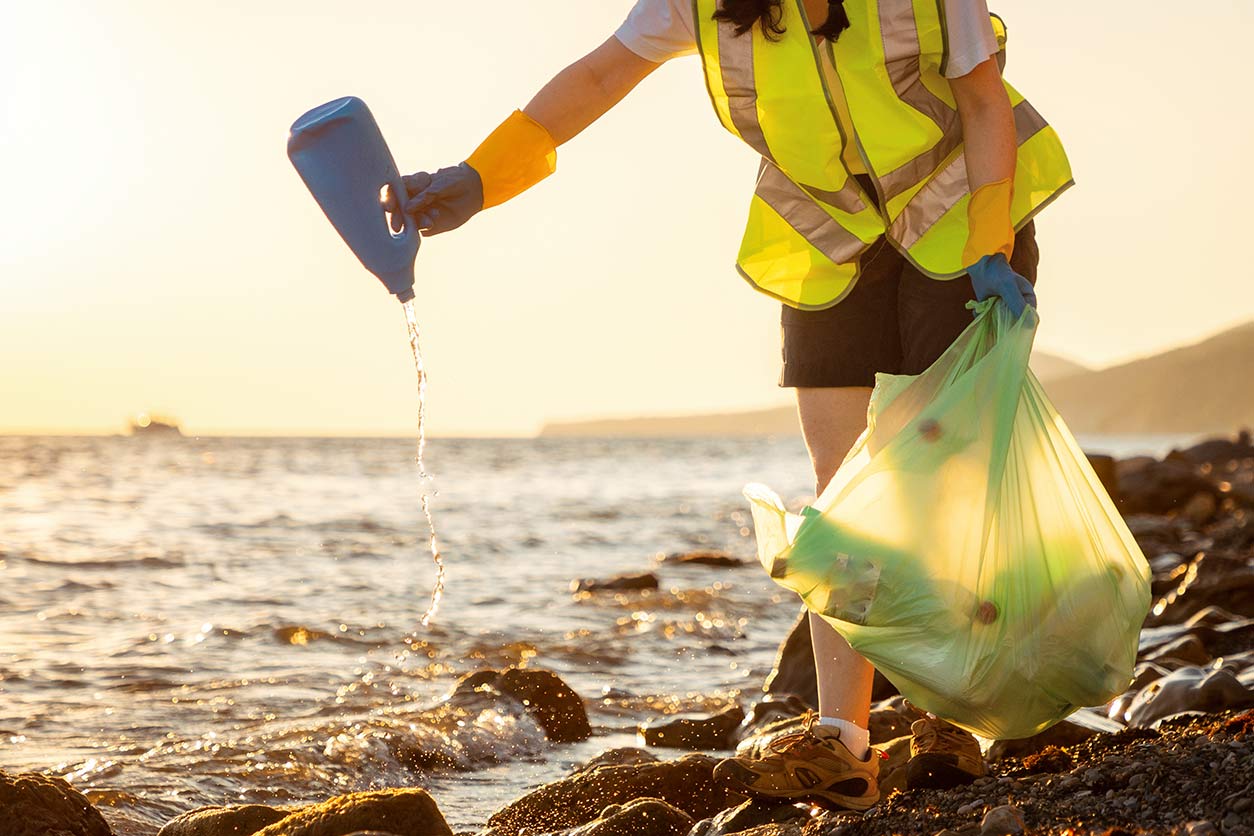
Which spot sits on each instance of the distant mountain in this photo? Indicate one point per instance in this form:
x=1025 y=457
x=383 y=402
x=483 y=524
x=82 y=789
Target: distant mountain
x=1203 y=388
x=1052 y=367
x=778 y=421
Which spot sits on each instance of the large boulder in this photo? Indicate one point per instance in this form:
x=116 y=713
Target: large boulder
x=622 y=756
x=770 y=710
x=752 y=814
x=715 y=731
x=1159 y=487
x=402 y=812
x=1189 y=689
x=642 y=817
x=41 y=805
x=686 y=783
x=793 y=672
x=554 y=704
x=224 y=821
x=1219 y=451
x=1209 y=580
x=1107 y=470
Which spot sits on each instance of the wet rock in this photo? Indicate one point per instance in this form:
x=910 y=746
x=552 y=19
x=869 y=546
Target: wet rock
x=642 y=817
x=403 y=812
x=622 y=756
x=39 y=805
x=750 y=815
x=220 y=821
x=619 y=583
x=891 y=719
x=1200 y=509
x=1219 y=451
x=1186 y=650
x=793 y=671
x=717 y=731
x=1209 y=580
x=1002 y=821
x=1051 y=759
x=1160 y=487
x=771 y=709
x=717 y=559
x=686 y=783
x=788 y=828
x=1145 y=673
x=1189 y=689
x=553 y=704
x=1107 y=471
x=1077 y=728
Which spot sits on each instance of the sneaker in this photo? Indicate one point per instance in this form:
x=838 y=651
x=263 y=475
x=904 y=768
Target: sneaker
x=810 y=764
x=942 y=756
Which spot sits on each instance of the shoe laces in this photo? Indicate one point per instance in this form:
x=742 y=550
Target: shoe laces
x=939 y=733
x=790 y=740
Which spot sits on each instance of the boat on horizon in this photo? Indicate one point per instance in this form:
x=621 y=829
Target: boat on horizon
x=146 y=425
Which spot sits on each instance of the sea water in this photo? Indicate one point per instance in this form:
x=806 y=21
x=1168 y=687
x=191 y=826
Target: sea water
x=427 y=491
x=194 y=621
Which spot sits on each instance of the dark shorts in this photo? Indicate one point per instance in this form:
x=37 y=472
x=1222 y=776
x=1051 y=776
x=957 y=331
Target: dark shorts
x=895 y=320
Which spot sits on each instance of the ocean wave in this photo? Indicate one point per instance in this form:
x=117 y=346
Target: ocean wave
x=144 y=562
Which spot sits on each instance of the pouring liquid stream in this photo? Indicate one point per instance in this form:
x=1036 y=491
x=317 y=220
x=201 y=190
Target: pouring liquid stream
x=437 y=593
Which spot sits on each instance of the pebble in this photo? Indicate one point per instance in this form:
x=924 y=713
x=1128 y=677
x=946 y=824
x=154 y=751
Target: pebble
x=968 y=809
x=1138 y=779
x=1002 y=821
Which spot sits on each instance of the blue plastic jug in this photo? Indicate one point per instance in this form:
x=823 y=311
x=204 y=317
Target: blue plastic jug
x=341 y=155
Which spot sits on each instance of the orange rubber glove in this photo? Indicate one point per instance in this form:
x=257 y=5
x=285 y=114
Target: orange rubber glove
x=990 y=230
x=514 y=157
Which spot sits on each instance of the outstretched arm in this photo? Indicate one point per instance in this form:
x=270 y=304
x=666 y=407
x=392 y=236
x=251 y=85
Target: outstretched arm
x=522 y=151
x=583 y=92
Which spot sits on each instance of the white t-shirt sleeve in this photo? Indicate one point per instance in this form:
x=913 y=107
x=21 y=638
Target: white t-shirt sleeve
x=659 y=30
x=971 y=38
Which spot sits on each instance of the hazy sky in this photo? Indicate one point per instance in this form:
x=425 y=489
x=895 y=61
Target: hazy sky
x=158 y=251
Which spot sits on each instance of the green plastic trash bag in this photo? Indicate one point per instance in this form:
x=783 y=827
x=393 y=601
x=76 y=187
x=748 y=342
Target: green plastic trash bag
x=966 y=548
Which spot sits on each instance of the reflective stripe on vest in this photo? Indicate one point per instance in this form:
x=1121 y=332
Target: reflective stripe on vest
x=809 y=220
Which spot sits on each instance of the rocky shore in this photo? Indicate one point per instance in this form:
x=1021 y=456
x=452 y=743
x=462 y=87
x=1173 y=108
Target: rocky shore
x=1173 y=755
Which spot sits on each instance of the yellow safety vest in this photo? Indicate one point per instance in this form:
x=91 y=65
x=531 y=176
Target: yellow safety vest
x=788 y=98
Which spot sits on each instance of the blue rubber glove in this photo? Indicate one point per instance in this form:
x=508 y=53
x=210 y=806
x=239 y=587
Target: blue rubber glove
x=992 y=275
x=439 y=202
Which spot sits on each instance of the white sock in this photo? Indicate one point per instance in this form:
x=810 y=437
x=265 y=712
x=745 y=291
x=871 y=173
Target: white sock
x=855 y=738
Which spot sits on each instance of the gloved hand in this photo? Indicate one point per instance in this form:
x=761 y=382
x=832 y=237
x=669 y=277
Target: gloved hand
x=518 y=154
x=992 y=275
x=438 y=202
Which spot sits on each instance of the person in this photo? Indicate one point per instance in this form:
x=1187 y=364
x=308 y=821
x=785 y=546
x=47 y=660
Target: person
x=899 y=180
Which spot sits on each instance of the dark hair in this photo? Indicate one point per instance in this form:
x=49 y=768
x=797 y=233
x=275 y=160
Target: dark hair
x=743 y=14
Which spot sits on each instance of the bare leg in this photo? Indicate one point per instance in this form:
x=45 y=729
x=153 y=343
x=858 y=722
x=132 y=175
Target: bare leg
x=832 y=420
